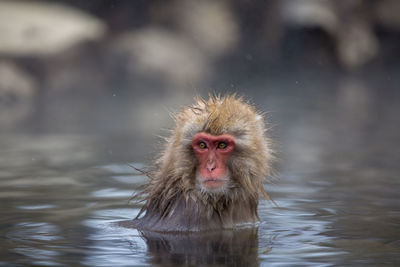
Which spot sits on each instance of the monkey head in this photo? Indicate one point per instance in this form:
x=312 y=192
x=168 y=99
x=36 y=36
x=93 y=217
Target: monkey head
x=218 y=147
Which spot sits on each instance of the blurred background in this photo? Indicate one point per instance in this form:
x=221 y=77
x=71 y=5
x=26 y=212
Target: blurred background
x=87 y=86
x=118 y=67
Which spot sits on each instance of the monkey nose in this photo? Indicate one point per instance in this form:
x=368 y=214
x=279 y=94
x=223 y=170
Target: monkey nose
x=211 y=166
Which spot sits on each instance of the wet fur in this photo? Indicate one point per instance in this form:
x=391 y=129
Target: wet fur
x=173 y=199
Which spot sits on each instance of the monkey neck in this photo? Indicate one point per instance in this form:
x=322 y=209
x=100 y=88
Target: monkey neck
x=226 y=210
x=193 y=211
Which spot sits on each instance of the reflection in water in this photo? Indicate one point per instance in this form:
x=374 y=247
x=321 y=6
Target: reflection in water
x=31 y=236
x=213 y=248
x=34 y=231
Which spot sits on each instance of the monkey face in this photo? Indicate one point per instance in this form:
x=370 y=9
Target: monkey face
x=212 y=153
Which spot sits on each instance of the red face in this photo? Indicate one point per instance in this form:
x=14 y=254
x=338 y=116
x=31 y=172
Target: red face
x=212 y=153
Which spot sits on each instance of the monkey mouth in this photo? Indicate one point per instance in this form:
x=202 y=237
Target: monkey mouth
x=213 y=183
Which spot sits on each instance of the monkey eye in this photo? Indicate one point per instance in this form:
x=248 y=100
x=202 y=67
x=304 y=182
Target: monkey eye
x=222 y=145
x=202 y=145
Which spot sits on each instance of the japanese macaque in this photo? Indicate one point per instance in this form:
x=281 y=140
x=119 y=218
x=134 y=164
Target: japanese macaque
x=210 y=174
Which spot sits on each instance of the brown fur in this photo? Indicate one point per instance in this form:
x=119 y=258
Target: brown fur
x=172 y=200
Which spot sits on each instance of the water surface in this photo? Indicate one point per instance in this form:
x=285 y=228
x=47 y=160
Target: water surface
x=337 y=191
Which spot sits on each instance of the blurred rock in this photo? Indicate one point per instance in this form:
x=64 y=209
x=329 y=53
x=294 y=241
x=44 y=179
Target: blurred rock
x=211 y=25
x=17 y=92
x=310 y=13
x=356 y=41
x=387 y=13
x=346 y=22
x=43 y=28
x=185 y=38
x=159 y=53
x=356 y=44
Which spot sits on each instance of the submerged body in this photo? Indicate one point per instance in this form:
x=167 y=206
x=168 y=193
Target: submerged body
x=210 y=173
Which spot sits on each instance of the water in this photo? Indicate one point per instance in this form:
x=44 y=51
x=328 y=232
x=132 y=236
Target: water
x=337 y=192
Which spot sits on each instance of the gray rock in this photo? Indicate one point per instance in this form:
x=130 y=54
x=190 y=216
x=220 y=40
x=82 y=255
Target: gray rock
x=43 y=28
